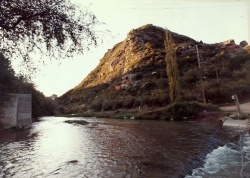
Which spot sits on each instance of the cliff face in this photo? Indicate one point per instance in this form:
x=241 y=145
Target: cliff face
x=133 y=72
x=139 y=45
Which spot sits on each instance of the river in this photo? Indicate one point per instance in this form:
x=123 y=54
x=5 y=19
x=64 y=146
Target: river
x=108 y=148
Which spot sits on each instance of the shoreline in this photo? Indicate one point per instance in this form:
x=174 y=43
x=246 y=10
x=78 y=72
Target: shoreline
x=203 y=113
x=232 y=116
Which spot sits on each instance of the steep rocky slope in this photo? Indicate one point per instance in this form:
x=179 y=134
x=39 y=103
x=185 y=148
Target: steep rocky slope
x=133 y=73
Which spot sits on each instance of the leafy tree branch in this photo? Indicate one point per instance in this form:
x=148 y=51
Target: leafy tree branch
x=56 y=28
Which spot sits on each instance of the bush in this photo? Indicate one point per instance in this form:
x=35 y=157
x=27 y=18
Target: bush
x=185 y=110
x=128 y=102
x=138 y=76
x=148 y=86
x=191 y=76
x=238 y=61
x=159 y=97
x=240 y=74
x=241 y=87
x=116 y=105
x=187 y=95
x=96 y=106
x=247 y=66
x=144 y=100
x=107 y=105
x=162 y=83
x=212 y=90
x=225 y=72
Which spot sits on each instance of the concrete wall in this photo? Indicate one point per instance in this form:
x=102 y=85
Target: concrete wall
x=17 y=110
x=24 y=109
x=9 y=111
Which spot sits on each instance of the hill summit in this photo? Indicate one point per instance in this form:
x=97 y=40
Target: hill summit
x=133 y=73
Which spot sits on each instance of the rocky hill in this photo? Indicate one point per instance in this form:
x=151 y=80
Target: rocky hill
x=133 y=73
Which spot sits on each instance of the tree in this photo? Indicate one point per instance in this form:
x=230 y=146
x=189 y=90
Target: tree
x=10 y=83
x=57 y=28
x=7 y=76
x=172 y=68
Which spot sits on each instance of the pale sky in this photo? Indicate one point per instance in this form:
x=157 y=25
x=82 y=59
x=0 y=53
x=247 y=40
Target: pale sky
x=210 y=21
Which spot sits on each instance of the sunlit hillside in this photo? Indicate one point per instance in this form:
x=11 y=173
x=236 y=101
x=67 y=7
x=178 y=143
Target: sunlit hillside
x=133 y=73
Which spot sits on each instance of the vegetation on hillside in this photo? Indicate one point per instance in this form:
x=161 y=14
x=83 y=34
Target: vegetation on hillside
x=176 y=111
x=132 y=75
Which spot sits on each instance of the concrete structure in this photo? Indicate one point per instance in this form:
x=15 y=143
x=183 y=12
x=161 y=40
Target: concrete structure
x=17 y=110
x=236 y=123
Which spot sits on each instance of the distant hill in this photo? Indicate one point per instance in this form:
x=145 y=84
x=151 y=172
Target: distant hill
x=133 y=73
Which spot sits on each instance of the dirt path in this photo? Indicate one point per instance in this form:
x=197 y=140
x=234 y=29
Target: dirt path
x=245 y=108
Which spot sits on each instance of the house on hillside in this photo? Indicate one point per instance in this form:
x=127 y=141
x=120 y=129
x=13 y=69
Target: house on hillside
x=17 y=110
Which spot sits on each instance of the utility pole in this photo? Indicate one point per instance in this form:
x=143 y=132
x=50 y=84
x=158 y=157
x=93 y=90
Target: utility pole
x=217 y=76
x=202 y=85
x=198 y=57
x=235 y=98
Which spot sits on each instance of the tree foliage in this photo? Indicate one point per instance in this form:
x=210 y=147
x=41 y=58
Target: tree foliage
x=57 y=28
x=10 y=83
x=172 y=68
x=6 y=76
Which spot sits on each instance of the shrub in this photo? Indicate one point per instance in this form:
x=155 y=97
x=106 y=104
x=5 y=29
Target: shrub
x=241 y=87
x=187 y=95
x=225 y=72
x=116 y=105
x=212 y=90
x=159 y=97
x=107 y=105
x=247 y=65
x=162 y=82
x=148 y=86
x=185 y=63
x=178 y=111
x=191 y=76
x=137 y=103
x=144 y=100
x=128 y=102
x=138 y=76
x=238 y=61
x=239 y=74
x=185 y=110
x=96 y=105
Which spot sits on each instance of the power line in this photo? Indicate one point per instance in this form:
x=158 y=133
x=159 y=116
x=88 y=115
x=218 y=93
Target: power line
x=185 y=16
x=167 y=5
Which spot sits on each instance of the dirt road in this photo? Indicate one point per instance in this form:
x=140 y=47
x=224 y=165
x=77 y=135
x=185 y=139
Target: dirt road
x=245 y=108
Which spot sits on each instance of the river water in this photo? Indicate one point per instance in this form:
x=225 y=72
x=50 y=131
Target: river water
x=124 y=148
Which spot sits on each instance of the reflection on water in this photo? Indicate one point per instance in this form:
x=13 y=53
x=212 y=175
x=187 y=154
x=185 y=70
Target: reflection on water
x=13 y=135
x=108 y=148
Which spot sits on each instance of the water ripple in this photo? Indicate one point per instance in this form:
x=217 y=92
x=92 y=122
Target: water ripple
x=108 y=148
